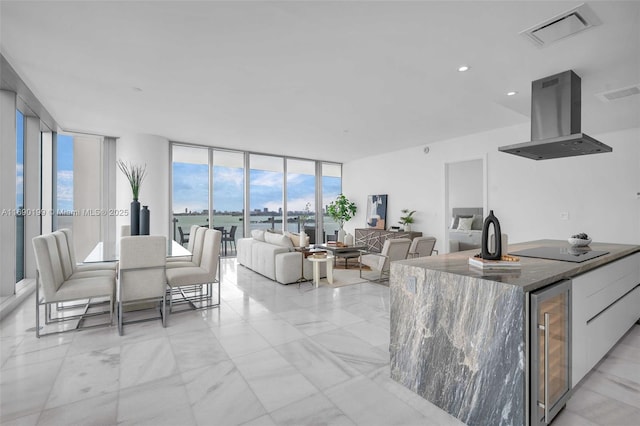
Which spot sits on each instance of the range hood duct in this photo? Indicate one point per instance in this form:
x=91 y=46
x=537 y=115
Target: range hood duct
x=556 y=103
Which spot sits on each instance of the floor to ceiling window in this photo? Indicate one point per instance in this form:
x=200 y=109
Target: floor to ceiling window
x=64 y=182
x=190 y=192
x=301 y=198
x=237 y=191
x=78 y=186
x=266 y=189
x=19 y=196
x=228 y=192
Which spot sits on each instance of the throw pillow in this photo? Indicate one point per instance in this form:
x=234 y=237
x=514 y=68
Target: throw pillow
x=456 y=220
x=478 y=222
x=278 y=239
x=295 y=239
x=257 y=234
x=464 y=224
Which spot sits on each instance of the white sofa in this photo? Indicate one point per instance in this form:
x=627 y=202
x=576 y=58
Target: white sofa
x=273 y=255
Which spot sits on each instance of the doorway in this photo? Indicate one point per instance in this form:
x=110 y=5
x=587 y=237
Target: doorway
x=465 y=196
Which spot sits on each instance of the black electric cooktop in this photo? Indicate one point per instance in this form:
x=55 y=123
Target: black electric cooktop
x=565 y=254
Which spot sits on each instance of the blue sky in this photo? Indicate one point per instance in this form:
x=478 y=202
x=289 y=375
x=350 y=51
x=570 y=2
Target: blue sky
x=65 y=172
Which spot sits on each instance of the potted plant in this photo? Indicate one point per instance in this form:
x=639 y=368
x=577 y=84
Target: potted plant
x=341 y=210
x=135 y=175
x=407 y=219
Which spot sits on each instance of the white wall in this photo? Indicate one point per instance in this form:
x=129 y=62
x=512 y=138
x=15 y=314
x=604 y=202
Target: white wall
x=154 y=191
x=598 y=191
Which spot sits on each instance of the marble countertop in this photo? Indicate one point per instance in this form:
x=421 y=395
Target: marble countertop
x=534 y=273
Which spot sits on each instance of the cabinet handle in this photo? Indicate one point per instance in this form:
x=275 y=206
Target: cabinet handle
x=547 y=320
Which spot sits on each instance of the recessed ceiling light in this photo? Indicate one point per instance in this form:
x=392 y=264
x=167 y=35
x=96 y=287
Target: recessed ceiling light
x=512 y=93
x=463 y=68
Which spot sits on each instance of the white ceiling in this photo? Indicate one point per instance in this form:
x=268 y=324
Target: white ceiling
x=326 y=80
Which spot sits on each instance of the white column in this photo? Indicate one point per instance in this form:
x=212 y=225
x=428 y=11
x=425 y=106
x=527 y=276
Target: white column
x=87 y=193
x=7 y=192
x=154 y=192
x=31 y=191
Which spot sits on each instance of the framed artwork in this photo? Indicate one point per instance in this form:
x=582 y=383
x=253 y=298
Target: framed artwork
x=377 y=211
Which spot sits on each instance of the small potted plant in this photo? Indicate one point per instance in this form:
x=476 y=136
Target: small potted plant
x=341 y=210
x=407 y=219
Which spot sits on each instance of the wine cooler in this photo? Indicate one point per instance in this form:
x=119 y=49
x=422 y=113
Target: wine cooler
x=550 y=334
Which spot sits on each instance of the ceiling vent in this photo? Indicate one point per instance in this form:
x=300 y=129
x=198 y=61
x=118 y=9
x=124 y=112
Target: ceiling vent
x=561 y=26
x=614 y=95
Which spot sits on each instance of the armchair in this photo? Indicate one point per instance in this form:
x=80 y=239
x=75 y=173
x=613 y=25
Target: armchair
x=141 y=273
x=393 y=249
x=422 y=246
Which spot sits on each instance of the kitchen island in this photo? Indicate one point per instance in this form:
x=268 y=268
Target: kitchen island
x=460 y=335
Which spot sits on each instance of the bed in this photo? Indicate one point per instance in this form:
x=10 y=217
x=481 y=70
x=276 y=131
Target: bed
x=465 y=229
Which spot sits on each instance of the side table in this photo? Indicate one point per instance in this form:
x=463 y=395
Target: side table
x=317 y=260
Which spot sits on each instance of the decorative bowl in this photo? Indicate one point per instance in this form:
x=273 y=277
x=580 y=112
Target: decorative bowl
x=577 y=242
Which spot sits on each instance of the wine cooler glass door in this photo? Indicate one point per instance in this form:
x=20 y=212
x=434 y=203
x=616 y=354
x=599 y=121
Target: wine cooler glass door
x=550 y=351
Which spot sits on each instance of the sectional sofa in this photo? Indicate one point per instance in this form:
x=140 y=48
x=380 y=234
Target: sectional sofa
x=274 y=255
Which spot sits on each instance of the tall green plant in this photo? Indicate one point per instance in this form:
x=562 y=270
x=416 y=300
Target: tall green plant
x=135 y=175
x=341 y=210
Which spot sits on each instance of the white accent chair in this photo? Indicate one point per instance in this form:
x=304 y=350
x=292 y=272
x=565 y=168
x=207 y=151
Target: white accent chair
x=83 y=267
x=141 y=274
x=421 y=247
x=193 y=236
x=57 y=285
x=380 y=263
x=193 y=284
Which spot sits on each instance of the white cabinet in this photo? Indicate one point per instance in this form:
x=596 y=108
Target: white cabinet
x=606 y=303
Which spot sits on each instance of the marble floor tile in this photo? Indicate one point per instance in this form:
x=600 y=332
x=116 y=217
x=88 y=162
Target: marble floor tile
x=220 y=395
x=353 y=351
x=373 y=406
x=307 y=322
x=239 y=339
x=273 y=379
x=619 y=388
x=369 y=332
x=86 y=375
x=265 y=420
x=569 y=418
x=276 y=331
x=34 y=357
x=30 y=420
x=146 y=361
x=601 y=409
x=96 y=411
x=161 y=402
x=313 y=410
x=316 y=363
x=25 y=389
x=337 y=316
x=195 y=349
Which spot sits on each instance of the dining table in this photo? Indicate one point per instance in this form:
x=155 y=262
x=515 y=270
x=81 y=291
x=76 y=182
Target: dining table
x=109 y=251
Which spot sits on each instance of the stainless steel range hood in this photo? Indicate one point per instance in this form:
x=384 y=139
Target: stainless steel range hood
x=555 y=121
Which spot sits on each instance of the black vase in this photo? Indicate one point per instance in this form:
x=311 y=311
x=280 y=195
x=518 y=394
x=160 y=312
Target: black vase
x=135 y=217
x=497 y=242
x=144 y=220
